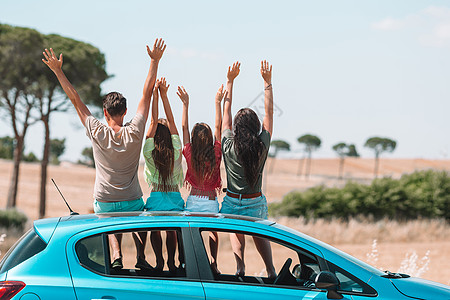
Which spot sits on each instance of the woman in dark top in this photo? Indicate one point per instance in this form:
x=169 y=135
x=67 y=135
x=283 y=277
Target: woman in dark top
x=245 y=151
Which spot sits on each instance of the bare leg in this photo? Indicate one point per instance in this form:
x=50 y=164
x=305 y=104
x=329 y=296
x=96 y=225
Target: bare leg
x=155 y=238
x=213 y=246
x=140 y=239
x=171 y=244
x=238 y=245
x=115 y=240
x=264 y=249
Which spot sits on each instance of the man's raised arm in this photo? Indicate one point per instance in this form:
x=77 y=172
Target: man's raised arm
x=155 y=55
x=55 y=65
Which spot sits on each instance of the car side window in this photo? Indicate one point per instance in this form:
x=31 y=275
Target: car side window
x=95 y=254
x=294 y=267
x=350 y=283
x=91 y=253
x=29 y=245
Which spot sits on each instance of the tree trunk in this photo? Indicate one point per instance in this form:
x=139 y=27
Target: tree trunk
x=272 y=163
x=341 y=167
x=44 y=164
x=377 y=161
x=308 y=166
x=12 y=191
x=300 y=166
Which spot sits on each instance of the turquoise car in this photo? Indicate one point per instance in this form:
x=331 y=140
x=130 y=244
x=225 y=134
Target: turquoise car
x=69 y=258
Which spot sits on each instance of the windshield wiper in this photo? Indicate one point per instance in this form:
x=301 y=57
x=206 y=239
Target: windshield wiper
x=391 y=275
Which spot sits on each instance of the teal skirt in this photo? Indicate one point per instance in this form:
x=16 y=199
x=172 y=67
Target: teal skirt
x=160 y=201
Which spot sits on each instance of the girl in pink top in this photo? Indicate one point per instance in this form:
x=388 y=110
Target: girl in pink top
x=203 y=156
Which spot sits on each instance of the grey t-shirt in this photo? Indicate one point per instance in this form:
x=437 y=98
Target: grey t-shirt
x=236 y=181
x=116 y=158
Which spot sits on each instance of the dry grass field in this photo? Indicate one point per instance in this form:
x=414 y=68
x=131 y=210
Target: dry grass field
x=395 y=241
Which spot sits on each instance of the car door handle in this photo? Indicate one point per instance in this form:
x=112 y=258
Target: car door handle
x=106 y=297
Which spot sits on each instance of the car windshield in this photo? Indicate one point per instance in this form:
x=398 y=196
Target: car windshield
x=354 y=260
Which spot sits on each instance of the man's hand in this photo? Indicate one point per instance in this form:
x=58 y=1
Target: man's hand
x=51 y=61
x=220 y=95
x=183 y=95
x=266 y=72
x=163 y=86
x=158 y=49
x=55 y=65
x=233 y=71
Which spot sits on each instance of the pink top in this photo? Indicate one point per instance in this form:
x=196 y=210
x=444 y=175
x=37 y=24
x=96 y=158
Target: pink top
x=210 y=184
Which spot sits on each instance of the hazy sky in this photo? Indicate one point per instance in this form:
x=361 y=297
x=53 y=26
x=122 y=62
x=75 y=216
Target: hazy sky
x=342 y=70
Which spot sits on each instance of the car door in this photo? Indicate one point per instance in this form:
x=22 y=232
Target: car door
x=256 y=285
x=89 y=262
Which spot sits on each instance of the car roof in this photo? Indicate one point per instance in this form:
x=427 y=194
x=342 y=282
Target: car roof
x=46 y=227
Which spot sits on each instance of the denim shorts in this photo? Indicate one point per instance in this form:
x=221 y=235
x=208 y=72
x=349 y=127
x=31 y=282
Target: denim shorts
x=160 y=201
x=251 y=207
x=118 y=206
x=196 y=203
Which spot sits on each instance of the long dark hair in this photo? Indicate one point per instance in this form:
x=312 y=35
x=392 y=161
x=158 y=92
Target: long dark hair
x=203 y=159
x=247 y=143
x=163 y=155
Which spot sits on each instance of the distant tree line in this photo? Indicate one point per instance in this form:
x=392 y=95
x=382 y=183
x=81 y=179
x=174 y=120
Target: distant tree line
x=312 y=143
x=422 y=194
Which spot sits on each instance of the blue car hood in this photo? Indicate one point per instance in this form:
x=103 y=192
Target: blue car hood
x=421 y=288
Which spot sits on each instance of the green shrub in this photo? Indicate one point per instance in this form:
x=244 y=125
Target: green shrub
x=12 y=218
x=420 y=194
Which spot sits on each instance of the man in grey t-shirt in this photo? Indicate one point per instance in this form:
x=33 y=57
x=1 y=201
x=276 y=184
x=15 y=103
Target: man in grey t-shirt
x=116 y=148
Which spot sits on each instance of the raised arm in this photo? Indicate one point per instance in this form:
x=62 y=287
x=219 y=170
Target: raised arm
x=266 y=73
x=154 y=121
x=163 y=87
x=233 y=72
x=218 y=124
x=55 y=65
x=184 y=120
x=155 y=55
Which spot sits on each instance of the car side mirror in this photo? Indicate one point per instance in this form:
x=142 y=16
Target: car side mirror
x=328 y=281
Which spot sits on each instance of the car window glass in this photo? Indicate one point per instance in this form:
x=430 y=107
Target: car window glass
x=95 y=253
x=91 y=253
x=294 y=267
x=350 y=283
x=29 y=245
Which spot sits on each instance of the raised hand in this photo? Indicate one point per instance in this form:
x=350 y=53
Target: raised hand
x=220 y=95
x=51 y=61
x=233 y=71
x=155 y=90
x=163 y=86
x=183 y=95
x=266 y=72
x=158 y=49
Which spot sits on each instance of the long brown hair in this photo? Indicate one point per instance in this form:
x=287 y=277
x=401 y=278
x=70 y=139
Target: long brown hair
x=203 y=159
x=247 y=143
x=163 y=155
